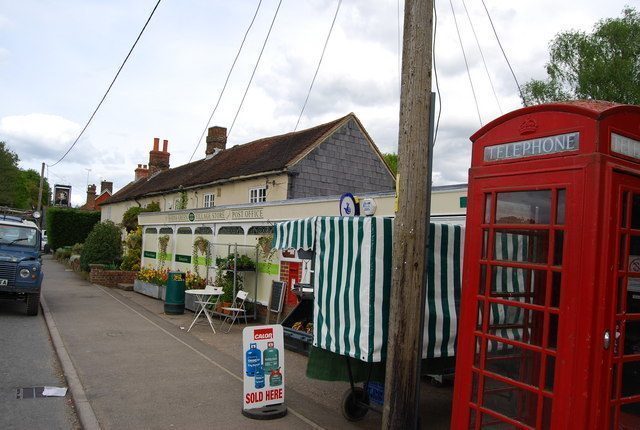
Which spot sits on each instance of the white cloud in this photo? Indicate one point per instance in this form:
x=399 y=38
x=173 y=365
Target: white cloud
x=174 y=77
x=38 y=135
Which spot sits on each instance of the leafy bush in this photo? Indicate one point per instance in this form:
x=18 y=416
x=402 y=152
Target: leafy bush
x=133 y=245
x=130 y=217
x=103 y=246
x=66 y=227
x=77 y=249
x=63 y=253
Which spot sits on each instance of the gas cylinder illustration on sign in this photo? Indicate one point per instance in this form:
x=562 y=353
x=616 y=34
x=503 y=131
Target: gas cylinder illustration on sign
x=259 y=375
x=253 y=359
x=271 y=358
x=275 y=378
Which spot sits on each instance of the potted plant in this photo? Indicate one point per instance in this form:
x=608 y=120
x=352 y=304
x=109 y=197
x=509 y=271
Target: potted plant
x=193 y=281
x=264 y=247
x=241 y=262
x=151 y=282
x=221 y=262
x=201 y=246
x=225 y=281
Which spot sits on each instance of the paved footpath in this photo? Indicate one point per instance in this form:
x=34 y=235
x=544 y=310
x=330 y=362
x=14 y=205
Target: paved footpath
x=135 y=369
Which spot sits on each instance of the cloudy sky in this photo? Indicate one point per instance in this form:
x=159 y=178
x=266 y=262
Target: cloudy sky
x=57 y=58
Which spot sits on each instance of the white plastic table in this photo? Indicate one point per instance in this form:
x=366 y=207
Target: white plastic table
x=203 y=299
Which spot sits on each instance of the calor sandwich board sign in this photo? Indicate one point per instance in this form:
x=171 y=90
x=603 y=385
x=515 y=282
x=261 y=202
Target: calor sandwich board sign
x=263 y=366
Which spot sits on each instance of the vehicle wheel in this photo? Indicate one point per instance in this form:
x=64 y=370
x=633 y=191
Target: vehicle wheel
x=353 y=408
x=33 y=304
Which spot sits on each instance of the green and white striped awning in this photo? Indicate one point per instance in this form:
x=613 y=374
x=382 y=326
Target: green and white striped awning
x=444 y=282
x=352 y=284
x=294 y=234
x=352 y=279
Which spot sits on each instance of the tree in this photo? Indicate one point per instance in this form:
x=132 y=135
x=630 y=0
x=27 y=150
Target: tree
x=392 y=161
x=9 y=176
x=19 y=188
x=26 y=190
x=602 y=65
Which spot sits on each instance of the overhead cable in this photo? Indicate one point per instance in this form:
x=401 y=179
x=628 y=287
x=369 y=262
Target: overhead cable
x=226 y=81
x=110 y=85
x=255 y=67
x=482 y=56
x=435 y=73
x=524 y=101
x=473 y=91
x=319 y=63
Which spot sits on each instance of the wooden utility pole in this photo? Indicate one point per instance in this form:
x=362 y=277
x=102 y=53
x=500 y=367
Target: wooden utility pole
x=40 y=195
x=411 y=227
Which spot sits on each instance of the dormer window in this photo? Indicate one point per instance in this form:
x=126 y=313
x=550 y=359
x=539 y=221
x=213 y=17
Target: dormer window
x=258 y=194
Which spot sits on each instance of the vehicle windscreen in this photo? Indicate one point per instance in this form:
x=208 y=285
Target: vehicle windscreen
x=18 y=236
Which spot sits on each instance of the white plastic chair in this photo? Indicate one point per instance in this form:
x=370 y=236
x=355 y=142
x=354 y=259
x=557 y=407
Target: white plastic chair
x=235 y=310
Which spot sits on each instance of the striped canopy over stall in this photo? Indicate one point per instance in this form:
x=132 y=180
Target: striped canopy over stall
x=297 y=234
x=352 y=280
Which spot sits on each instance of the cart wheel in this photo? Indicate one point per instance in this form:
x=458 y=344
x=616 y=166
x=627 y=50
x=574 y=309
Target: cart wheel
x=353 y=404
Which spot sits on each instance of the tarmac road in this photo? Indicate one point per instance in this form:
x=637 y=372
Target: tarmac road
x=27 y=359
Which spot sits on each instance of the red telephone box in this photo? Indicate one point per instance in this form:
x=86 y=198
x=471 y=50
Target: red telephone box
x=549 y=333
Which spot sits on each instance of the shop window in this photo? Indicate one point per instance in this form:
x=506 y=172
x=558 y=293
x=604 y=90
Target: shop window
x=209 y=200
x=151 y=230
x=184 y=230
x=231 y=230
x=260 y=230
x=204 y=230
x=166 y=230
x=258 y=194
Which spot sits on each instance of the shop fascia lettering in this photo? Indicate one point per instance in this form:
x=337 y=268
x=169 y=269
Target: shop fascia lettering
x=530 y=148
x=220 y=215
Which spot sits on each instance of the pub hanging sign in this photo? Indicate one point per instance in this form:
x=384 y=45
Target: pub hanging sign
x=530 y=148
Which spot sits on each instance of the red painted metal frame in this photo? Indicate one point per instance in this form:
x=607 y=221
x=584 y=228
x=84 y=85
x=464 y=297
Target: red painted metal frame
x=582 y=367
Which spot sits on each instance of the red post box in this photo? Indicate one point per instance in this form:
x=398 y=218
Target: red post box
x=549 y=333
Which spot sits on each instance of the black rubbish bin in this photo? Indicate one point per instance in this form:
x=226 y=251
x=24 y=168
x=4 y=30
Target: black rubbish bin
x=174 y=302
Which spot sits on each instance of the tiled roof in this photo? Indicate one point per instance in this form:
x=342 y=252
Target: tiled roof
x=264 y=155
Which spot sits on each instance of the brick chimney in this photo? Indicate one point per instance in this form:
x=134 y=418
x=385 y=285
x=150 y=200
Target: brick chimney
x=216 y=140
x=158 y=160
x=106 y=186
x=91 y=198
x=141 y=172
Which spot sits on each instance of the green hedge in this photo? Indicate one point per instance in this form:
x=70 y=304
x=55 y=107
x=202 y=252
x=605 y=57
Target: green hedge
x=66 y=227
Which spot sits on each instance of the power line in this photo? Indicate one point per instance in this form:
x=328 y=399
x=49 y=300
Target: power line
x=524 y=101
x=226 y=81
x=254 y=68
x=319 y=63
x=482 y=56
x=473 y=91
x=435 y=72
x=110 y=85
